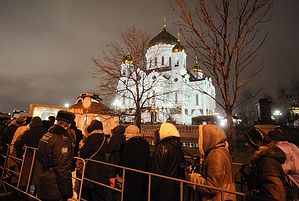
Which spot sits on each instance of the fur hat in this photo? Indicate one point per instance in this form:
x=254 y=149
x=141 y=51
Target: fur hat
x=132 y=131
x=94 y=125
x=257 y=138
x=65 y=116
x=167 y=130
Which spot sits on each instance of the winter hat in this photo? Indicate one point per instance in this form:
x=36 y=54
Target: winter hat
x=65 y=116
x=167 y=130
x=36 y=122
x=20 y=120
x=94 y=125
x=132 y=131
x=257 y=138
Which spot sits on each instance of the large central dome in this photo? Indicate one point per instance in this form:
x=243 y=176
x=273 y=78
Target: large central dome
x=164 y=38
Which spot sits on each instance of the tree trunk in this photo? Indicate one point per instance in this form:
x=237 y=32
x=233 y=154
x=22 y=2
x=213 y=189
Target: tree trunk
x=138 y=117
x=229 y=130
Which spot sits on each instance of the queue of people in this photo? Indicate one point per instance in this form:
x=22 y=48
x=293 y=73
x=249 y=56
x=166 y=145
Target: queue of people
x=274 y=160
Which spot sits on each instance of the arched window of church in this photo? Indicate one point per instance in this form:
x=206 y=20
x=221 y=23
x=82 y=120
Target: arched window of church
x=177 y=62
x=176 y=97
x=156 y=61
x=124 y=99
x=162 y=60
x=197 y=100
x=186 y=111
x=150 y=63
x=169 y=61
x=124 y=72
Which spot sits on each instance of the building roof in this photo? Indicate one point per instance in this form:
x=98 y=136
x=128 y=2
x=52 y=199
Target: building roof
x=94 y=108
x=164 y=37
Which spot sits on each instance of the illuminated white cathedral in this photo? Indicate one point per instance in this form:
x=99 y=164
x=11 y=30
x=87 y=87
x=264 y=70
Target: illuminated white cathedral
x=174 y=92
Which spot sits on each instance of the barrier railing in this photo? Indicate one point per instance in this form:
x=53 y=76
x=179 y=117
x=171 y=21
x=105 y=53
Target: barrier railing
x=26 y=190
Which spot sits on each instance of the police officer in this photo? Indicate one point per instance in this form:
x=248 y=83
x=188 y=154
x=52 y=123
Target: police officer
x=55 y=155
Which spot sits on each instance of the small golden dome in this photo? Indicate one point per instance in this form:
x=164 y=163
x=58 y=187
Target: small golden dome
x=128 y=59
x=196 y=69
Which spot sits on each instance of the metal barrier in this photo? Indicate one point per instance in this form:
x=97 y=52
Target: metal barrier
x=5 y=170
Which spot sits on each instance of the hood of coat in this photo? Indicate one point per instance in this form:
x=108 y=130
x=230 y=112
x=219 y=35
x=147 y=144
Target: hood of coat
x=210 y=137
x=58 y=130
x=132 y=131
x=117 y=139
x=270 y=151
x=36 y=122
x=168 y=130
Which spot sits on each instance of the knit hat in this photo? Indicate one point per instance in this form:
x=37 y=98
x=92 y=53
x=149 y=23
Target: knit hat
x=132 y=131
x=167 y=130
x=65 y=116
x=36 y=122
x=257 y=138
x=94 y=125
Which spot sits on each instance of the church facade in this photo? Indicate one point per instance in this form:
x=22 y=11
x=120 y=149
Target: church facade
x=173 y=91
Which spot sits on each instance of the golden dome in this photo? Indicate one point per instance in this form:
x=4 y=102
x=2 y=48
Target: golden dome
x=196 y=68
x=128 y=59
x=163 y=38
x=178 y=48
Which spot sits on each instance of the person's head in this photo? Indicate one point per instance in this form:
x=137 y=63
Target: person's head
x=256 y=138
x=277 y=135
x=28 y=120
x=117 y=138
x=168 y=130
x=51 y=119
x=64 y=118
x=94 y=125
x=210 y=137
x=132 y=131
x=20 y=120
x=36 y=122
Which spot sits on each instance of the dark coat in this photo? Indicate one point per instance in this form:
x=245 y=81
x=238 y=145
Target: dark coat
x=116 y=143
x=8 y=133
x=55 y=155
x=135 y=154
x=95 y=171
x=30 y=138
x=267 y=176
x=166 y=160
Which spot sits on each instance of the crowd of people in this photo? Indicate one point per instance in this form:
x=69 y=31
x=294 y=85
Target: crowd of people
x=275 y=162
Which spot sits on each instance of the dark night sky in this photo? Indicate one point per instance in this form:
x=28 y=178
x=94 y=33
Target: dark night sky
x=46 y=45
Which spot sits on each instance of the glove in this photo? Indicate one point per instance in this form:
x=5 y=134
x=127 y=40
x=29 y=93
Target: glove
x=196 y=178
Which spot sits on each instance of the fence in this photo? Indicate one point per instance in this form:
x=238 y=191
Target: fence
x=18 y=173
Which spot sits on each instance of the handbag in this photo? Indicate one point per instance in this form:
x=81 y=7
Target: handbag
x=80 y=164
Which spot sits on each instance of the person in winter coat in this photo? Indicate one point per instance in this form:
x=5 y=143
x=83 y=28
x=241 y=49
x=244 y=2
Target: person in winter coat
x=135 y=154
x=55 y=155
x=9 y=131
x=166 y=160
x=291 y=164
x=265 y=176
x=95 y=148
x=216 y=164
x=30 y=138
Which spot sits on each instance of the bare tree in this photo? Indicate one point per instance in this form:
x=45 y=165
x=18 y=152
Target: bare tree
x=135 y=85
x=226 y=36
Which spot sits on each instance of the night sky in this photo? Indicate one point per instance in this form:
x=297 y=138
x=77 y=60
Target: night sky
x=46 y=46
